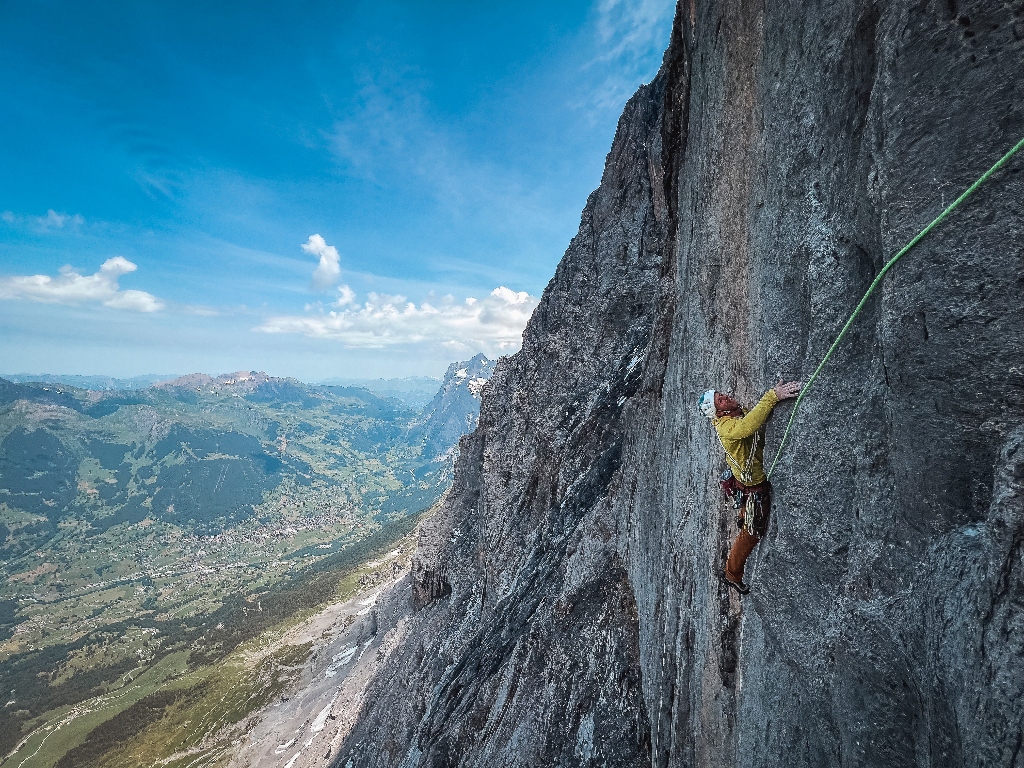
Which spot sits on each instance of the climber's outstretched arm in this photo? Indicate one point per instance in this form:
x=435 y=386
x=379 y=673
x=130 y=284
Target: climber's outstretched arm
x=738 y=429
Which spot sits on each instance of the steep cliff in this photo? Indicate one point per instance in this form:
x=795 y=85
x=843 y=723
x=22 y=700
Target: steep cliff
x=568 y=607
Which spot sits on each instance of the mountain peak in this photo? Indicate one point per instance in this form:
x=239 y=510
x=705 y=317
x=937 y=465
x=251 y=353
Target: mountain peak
x=470 y=375
x=241 y=380
x=456 y=406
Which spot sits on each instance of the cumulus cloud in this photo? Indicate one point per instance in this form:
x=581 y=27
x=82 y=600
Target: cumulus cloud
x=493 y=325
x=328 y=271
x=70 y=287
x=346 y=296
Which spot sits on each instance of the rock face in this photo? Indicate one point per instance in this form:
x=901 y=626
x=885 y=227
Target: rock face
x=568 y=607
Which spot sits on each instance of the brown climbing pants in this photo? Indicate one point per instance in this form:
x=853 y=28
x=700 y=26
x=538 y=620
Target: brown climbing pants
x=746 y=541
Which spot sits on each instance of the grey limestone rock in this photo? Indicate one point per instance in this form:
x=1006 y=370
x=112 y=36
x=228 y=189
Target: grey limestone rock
x=568 y=606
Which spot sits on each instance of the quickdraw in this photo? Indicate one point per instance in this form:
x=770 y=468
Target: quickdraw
x=750 y=513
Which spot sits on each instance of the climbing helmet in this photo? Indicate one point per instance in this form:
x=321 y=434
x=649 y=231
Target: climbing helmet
x=706 y=404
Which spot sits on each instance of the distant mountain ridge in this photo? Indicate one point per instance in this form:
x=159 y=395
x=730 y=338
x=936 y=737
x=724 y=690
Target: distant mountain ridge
x=244 y=380
x=414 y=391
x=96 y=383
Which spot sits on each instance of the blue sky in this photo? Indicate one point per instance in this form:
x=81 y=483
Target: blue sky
x=311 y=189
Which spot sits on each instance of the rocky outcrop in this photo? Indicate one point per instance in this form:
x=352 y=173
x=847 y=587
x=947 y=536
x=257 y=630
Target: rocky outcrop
x=569 y=611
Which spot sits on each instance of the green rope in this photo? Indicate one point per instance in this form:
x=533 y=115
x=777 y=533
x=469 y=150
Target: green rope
x=874 y=284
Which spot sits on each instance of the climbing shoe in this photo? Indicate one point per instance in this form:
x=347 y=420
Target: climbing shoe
x=739 y=586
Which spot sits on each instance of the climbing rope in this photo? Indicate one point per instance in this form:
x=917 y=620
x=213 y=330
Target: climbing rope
x=874 y=284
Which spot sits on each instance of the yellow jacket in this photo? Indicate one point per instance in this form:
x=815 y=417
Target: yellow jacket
x=743 y=440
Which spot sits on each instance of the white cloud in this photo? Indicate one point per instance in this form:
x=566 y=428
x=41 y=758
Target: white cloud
x=346 y=296
x=44 y=224
x=70 y=287
x=493 y=325
x=136 y=301
x=328 y=271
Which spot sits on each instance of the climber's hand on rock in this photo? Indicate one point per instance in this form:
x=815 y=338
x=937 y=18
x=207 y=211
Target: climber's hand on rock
x=787 y=390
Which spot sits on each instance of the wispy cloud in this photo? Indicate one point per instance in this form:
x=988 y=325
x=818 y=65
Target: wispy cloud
x=493 y=325
x=200 y=311
x=632 y=27
x=390 y=127
x=51 y=221
x=54 y=220
x=328 y=271
x=70 y=287
x=391 y=131
x=631 y=36
x=387 y=121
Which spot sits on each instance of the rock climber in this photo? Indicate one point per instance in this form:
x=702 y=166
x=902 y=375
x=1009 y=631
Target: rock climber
x=742 y=435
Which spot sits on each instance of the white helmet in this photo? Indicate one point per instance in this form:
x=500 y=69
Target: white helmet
x=706 y=404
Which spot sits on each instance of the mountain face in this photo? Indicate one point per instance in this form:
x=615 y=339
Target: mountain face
x=455 y=408
x=569 y=610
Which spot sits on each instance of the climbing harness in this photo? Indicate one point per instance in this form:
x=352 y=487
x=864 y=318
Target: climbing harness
x=731 y=488
x=748 y=501
x=949 y=209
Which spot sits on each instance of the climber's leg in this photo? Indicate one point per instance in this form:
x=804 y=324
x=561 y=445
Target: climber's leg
x=741 y=549
x=746 y=541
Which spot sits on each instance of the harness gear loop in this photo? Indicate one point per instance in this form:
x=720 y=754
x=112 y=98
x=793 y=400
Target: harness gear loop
x=871 y=289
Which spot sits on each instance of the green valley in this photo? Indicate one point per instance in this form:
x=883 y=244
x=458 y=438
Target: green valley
x=149 y=536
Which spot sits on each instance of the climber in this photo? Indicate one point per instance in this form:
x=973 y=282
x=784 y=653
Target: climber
x=742 y=435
